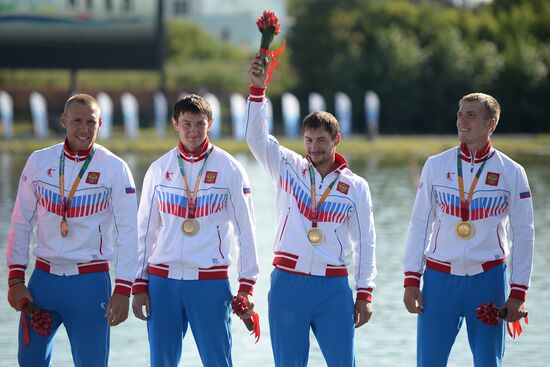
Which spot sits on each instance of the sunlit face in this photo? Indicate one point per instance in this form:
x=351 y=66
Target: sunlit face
x=320 y=146
x=192 y=129
x=81 y=122
x=474 y=127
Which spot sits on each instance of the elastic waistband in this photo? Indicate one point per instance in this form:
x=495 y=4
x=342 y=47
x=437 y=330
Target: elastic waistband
x=165 y=271
x=72 y=269
x=287 y=262
x=447 y=267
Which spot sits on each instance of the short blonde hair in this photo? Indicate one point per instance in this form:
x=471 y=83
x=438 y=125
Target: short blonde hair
x=82 y=98
x=492 y=108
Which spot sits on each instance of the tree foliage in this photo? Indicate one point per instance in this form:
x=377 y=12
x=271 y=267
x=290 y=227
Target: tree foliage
x=421 y=58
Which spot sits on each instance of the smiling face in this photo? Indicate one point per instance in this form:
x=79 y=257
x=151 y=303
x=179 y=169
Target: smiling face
x=81 y=122
x=474 y=125
x=320 y=146
x=192 y=129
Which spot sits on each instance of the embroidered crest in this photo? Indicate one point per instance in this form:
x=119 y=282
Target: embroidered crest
x=210 y=177
x=449 y=176
x=168 y=176
x=50 y=171
x=342 y=187
x=92 y=178
x=492 y=178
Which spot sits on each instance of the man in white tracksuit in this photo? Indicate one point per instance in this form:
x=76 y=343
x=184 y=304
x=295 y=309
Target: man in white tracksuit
x=80 y=200
x=473 y=210
x=195 y=203
x=324 y=213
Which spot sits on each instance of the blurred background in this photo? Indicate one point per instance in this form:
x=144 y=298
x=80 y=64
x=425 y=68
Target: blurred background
x=419 y=57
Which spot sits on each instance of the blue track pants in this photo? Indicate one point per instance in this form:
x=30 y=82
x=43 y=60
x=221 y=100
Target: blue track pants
x=78 y=302
x=448 y=300
x=298 y=303
x=204 y=305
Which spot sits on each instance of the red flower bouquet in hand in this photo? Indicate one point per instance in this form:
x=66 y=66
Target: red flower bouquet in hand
x=490 y=314
x=41 y=320
x=240 y=307
x=268 y=25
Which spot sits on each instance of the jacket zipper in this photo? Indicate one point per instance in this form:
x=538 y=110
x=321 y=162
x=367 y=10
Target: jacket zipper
x=220 y=242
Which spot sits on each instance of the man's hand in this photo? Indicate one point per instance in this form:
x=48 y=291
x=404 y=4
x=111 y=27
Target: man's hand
x=362 y=312
x=516 y=309
x=250 y=301
x=256 y=79
x=117 y=310
x=16 y=293
x=141 y=300
x=413 y=300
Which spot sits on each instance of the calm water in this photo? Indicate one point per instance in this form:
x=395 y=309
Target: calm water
x=387 y=340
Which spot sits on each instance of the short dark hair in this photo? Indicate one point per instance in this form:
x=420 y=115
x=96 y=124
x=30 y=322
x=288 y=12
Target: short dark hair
x=194 y=104
x=82 y=98
x=323 y=120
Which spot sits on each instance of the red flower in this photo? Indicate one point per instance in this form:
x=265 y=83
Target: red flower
x=240 y=307
x=490 y=314
x=269 y=27
x=41 y=320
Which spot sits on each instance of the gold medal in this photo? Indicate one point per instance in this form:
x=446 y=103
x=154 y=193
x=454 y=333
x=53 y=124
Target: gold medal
x=465 y=230
x=64 y=228
x=190 y=226
x=315 y=235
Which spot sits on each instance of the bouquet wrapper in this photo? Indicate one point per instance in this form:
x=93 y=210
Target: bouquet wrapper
x=41 y=320
x=490 y=314
x=240 y=307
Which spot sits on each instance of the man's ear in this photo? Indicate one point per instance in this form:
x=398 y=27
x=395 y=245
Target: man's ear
x=210 y=123
x=337 y=139
x=62 y=120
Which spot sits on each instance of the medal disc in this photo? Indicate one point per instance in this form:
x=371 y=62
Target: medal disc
x=190 y=227
x=64 y=228
x=315 y=236
x=465 y=230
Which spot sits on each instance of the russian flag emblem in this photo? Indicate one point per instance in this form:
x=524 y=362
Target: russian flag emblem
x=246 y=190
x=525 y=195
x=130 y=190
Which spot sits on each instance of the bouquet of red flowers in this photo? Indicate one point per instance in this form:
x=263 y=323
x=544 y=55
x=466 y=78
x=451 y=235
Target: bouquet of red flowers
x=41 y=320
x=490 y=314
x=240 y=307
x=268 y=25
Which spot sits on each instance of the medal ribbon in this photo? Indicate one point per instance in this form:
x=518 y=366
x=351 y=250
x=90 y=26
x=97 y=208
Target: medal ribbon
x=65 y=203
x=192 y=196
x=465 y=203
x=314 y=204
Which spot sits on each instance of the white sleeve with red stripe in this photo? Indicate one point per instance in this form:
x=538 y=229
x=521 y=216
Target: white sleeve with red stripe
x=363 y=234
x=23 y=220
x=241 y=214
x=124 y=205
x=264 y=147
x=522 y=236
x=420 y=228
x=148 y=223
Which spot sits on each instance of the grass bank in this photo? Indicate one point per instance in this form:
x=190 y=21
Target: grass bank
x=385 y=148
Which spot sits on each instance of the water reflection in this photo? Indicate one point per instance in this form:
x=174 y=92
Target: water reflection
x=388 y=340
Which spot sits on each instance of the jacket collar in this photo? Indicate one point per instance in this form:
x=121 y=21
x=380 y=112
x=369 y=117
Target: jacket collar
x=197 y=156
x=78 y=155
x=479 y=157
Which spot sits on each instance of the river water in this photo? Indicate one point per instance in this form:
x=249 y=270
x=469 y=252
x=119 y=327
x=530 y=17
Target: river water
x=389 y=339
